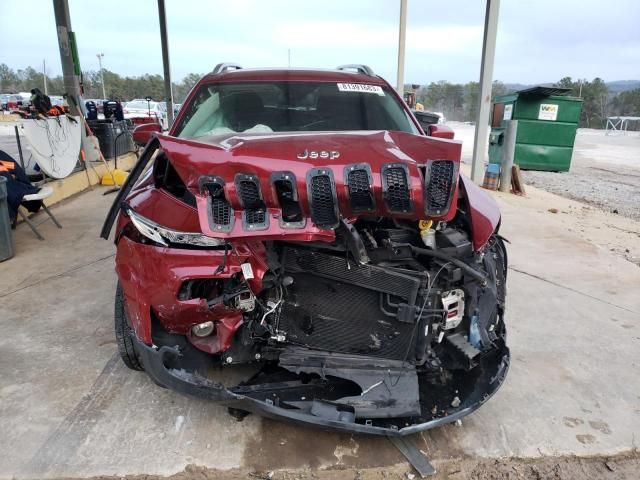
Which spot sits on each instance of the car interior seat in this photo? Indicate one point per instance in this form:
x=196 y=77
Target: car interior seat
x=342 y=112
x=242 y=110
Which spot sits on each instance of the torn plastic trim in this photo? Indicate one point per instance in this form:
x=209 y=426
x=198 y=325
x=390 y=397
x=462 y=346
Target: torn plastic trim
x=155 y=361
x=165 y=236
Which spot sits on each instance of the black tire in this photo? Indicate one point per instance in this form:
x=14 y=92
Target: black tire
x=126 y=348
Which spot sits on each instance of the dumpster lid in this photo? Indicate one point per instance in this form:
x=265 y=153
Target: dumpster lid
x=540 y=91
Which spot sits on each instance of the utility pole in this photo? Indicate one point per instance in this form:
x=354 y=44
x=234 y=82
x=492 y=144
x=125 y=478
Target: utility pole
x=289 y=57
x=44 y=76
x=401 y=42
x=484 y=95
x=168 y=92
x=63 y=27
x=104 y=91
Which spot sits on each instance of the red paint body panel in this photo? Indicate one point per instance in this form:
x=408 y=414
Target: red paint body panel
x=441 y=131
x=151 y=278
x=164 y=209
x=143 y=133
x=263 y=155
x=484 y=212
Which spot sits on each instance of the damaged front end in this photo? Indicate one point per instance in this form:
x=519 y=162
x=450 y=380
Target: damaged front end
x=364 y=292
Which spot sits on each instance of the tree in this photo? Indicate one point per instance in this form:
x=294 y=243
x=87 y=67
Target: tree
x=626 y=104
x=8 y=79
x=595 y=100
x=471 y=100
x=181 y=90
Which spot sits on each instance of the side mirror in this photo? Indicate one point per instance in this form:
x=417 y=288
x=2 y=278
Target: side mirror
x=440 y=131
x=143 y=133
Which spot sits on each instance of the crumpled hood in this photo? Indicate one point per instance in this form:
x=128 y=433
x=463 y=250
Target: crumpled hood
x=333 y=175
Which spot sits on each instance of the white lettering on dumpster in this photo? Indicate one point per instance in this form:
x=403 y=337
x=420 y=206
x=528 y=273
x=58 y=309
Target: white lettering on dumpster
x=508 y=111
x=548 y=111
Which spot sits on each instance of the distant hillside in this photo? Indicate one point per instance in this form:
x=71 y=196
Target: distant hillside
x=614 y=87
x=622 y=85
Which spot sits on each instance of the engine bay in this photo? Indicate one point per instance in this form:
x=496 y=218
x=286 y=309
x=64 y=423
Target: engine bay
x=394 y=321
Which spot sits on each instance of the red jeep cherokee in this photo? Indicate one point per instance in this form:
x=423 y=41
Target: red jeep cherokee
x=299 y=227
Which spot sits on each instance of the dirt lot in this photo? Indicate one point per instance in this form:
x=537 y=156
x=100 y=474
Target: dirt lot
x=604 y=180
x=605 y=172
x=620 y=467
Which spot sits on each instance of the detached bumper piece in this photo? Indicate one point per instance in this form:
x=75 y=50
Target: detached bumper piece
x=346 y=392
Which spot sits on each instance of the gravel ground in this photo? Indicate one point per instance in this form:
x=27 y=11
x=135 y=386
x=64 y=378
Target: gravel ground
x=605 y=172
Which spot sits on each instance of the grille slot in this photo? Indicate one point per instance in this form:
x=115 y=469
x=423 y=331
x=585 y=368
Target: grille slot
x=322 y=198
x=220 y=212
x=359 y=187
x=395 y=187
x=286 y=190
x=439 y=180
x=249 y=194
x=255 y=211
x=255 y=217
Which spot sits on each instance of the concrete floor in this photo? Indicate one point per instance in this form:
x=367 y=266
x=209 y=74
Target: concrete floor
x=69 y=407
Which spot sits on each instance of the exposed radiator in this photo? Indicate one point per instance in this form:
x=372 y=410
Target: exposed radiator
x=338 y=317
x=367 y=276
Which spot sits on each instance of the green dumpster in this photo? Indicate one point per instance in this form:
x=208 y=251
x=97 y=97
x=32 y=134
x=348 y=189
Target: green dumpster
x=547 y=122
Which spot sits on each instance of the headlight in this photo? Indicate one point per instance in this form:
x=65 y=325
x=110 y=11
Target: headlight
x=165 y=236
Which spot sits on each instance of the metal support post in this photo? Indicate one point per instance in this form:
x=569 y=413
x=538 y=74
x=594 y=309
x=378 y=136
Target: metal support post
x=63 y=27
x=401 y=44
x=484 y=94
x=168 y=91
x=508 y=155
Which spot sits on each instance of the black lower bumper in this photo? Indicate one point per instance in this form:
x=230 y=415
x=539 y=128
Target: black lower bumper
x=155 y=361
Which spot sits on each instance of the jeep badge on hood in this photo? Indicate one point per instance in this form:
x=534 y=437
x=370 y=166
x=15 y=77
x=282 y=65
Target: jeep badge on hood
x=332 y=155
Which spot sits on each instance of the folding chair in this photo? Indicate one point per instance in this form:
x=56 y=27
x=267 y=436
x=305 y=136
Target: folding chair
x=45 y=192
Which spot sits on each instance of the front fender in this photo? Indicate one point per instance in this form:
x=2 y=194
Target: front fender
x=483 y=211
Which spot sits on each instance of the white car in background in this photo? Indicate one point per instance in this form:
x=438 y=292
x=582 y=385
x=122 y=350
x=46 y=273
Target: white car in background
x=140 y=107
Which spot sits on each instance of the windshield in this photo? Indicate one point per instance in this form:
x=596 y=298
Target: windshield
x=292 y=107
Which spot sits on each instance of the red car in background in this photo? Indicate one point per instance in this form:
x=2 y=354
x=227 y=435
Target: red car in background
x=10 y=102
x=299 y=228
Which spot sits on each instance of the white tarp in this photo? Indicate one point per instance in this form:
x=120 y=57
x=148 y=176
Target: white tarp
x=55 y=143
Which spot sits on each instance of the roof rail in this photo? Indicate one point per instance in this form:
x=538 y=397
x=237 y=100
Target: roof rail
x=223 y=67
x=360 y=68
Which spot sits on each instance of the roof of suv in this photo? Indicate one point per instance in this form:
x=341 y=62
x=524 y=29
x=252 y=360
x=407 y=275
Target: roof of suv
x=292 y=75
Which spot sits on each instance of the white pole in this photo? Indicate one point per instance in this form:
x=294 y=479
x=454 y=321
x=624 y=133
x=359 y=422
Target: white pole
x=100 y=57
x=44 y=76
x=289 y=57
x=484 y=94
x=401 y=44
x=508 y=155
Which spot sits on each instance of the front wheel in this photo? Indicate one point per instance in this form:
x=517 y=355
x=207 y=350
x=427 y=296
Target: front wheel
x=126 y=348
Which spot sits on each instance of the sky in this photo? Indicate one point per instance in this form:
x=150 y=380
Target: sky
x=538 y=40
